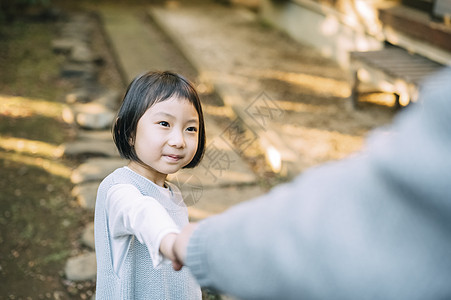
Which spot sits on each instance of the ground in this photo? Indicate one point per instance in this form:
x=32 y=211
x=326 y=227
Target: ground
x=40 y=221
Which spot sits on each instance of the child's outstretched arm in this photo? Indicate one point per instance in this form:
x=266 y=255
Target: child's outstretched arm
x=131 y=213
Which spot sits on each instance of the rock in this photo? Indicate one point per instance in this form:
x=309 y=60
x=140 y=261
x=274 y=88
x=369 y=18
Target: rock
x=80 y=96
x=96 y=169
x=73 y=33
x=82 y=267
x=93 y=115
x=86 y=194
x=95 y=135
x=109 y=98
x=87 y=237
x=63 y=45
x=90 y=148
x=68 y=115
x=78 y=70
x=83 y=54
x=87 y=93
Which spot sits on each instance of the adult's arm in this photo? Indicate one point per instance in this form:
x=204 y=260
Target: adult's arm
x=375 y=226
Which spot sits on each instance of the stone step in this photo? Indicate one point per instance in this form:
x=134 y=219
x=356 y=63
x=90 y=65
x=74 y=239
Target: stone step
x=87 y=237
x=90 y=148
x=86 y=194
x=96 y=169
x=93 y=115
x=82 y=267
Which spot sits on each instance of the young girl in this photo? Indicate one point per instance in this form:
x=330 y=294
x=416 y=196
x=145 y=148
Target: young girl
x=160 y=129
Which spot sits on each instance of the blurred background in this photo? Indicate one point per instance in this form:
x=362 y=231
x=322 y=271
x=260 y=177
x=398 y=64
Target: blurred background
x=285 y=85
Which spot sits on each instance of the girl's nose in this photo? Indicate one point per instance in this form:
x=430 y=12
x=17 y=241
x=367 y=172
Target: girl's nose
x=177 y=139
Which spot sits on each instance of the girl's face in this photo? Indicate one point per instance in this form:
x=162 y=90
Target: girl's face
x=166 y=138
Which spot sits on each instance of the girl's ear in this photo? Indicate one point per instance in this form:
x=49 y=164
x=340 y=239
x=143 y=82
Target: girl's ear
x=131 y=141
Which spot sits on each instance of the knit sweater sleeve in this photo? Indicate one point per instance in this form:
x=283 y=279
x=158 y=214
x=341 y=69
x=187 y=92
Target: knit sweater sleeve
x=131 y=213
x=375 y=226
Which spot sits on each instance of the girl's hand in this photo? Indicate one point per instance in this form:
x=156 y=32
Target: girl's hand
x=167 y=246
x=167 y=249
x=180 y=245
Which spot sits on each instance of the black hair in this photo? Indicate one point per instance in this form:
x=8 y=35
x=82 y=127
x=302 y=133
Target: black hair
x=143 y=92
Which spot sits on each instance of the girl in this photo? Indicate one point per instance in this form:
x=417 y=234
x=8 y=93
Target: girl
x=159 y=129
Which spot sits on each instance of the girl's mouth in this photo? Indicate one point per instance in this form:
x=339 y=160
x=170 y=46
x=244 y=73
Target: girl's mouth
x=174 y=157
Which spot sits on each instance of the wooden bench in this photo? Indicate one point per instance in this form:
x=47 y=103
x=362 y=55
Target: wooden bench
x=392 y=70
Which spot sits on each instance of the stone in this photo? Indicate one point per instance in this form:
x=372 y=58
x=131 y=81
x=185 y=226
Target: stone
x=87 y=237
x=77 y=70
x=96 y=169
x=63 y=45
x=86 y=194
x=82 y=54
x=109 y=98
x=82 y=267
x=93 y=115
x=68 y=115
x=79 y=95
x=88 y=92
x=90 y=147
x=95 y=135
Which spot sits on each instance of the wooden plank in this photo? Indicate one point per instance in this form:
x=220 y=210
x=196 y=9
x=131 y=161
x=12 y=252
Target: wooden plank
x=417 y=25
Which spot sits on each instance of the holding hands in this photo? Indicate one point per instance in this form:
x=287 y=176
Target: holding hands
x=173 y=246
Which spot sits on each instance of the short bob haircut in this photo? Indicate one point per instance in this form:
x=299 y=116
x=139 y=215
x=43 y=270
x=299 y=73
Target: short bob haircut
x=143 y=92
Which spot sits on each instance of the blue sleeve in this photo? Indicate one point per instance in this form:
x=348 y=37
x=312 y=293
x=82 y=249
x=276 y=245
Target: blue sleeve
x=375 y=226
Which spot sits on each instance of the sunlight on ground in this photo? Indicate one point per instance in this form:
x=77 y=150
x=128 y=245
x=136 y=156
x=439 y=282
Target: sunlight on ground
x=52 y=167
x=32 y=147
x=322 y=145
x=379 y=98
x=274 y=158
x=299 y=106
x=26 y=107
x=32 y=152
x=317 y=84
x=218 y=111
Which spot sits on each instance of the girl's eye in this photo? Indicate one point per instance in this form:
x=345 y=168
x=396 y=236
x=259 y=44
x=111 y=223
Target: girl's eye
x=164 y=123
x=192 y=129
